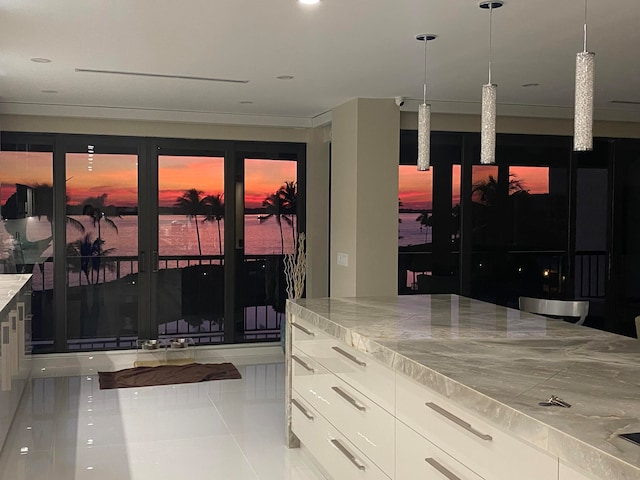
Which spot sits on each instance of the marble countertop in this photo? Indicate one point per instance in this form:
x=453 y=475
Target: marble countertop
x=10 y=285
x=499 y=363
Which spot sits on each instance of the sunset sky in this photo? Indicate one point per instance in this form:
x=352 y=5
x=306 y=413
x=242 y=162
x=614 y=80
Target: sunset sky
x=117 y=176
x=415 y=188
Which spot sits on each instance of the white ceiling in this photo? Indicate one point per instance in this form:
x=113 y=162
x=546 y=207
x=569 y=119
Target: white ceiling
x=337 y=50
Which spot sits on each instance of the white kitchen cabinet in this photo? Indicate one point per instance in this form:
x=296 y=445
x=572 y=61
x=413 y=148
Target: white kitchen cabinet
x=482 y=447
x=337 y=455
x=419 y=458
x=568 y=472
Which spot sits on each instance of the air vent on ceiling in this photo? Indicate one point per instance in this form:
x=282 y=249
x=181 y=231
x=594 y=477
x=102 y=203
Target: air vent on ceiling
x=624 y=102
x=160 y=75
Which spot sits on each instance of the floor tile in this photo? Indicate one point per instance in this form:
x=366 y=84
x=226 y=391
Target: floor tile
x=67 y=428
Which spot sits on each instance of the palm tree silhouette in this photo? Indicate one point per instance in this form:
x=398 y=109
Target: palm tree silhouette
x=275 y=207
x=214 y=210
x=289 y=194
x=94 y=208
x=192 y=205
x=426 y=220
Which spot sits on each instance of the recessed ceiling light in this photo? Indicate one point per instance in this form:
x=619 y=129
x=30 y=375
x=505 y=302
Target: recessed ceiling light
x=245 y=102
x=49 y=91
x=40 y=60
x=309 y=2
x=285 y=77
x=525 y=85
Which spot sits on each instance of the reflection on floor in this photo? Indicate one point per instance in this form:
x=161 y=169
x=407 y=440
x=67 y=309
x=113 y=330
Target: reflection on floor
x=67 y=428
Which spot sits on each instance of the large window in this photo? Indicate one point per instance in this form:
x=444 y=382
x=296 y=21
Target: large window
x=26 y=230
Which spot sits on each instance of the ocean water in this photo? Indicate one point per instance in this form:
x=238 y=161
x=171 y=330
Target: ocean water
x=176 y=234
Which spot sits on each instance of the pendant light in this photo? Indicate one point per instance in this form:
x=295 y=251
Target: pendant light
x=489 y=95
x=424 y=113
x=583 y=113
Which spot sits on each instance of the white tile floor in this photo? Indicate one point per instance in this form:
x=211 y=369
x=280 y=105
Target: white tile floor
x=68 y=429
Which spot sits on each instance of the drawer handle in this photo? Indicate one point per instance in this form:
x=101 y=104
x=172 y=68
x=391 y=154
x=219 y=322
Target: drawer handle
x=348 y=454
x=304 y=411
x=353 y=358
x=304 y=364
x=305 y=330
x=349 y=398
x=458 y=421
x=442 y=469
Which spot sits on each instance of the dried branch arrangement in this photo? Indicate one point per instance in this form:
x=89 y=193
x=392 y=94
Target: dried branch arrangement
x=295 y=269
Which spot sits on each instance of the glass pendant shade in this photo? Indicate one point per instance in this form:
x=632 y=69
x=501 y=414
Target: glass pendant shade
x=583 y=115
x=424 y=136
x=488 y=128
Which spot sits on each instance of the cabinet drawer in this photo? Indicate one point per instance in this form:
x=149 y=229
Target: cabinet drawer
x=339 y=457
x=303 y=332
x=306 y=374
x=480 y=446
x=419 y=458
x=367 y=425
x=367 y=375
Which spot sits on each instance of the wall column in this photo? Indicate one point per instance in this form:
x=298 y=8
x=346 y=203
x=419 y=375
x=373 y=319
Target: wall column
x=317 y=213
x=364 y=198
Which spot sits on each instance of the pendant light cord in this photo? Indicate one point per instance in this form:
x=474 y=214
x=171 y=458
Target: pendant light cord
x=585 y=26
x=490 y=38
x=424 y=90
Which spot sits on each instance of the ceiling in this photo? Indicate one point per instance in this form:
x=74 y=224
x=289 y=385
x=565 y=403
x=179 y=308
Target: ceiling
x=336 y=50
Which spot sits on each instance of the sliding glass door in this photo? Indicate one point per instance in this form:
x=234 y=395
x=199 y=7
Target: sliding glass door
x=189 y=261
x=102 y=229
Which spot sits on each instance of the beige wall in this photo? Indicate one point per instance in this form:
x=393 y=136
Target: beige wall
x=364 y=197
x=27 y=123
x=317 y=199
x=526 y=125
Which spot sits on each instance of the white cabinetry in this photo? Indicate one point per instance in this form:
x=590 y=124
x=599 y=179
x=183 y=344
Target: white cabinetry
x=483 y=448
x=360 y=419
x=362 y=427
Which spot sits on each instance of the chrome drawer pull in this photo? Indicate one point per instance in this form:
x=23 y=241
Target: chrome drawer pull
x=348 y=454
x=305 y=330
x=458 y=421
x=353 y=358
x=442 y=469
x=349 y=398
x=304 y=411
x=304 y=364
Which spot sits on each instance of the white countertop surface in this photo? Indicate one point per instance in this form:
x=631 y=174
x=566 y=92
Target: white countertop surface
x=10 y=285
x=499 y=363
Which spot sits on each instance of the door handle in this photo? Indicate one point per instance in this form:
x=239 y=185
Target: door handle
x=141 y=261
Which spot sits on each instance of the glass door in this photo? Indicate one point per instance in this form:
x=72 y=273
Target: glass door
x=267 y=226
x=188 y=264
x=102 y=227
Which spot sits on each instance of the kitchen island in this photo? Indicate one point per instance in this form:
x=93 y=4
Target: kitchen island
x=15 y=333
x=465 y=378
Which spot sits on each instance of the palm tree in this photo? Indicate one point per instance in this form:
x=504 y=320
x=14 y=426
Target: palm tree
x=191 y=204
x=94 y=208
x=426 y=220
x=275 y=207
x=486 y=191
x=214 y=210
x=289 y=194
